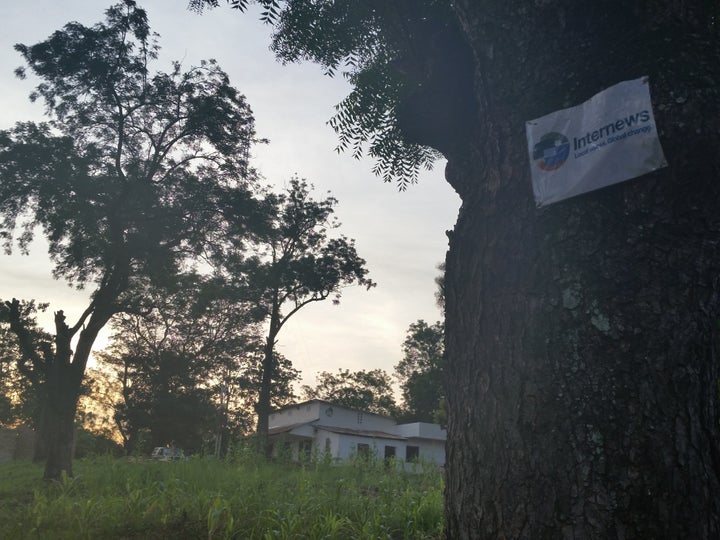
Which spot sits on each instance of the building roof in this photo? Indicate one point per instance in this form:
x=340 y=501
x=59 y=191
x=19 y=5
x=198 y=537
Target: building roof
x=315 y=400
x=285 y=429
x=362 y=433
x=341 y=430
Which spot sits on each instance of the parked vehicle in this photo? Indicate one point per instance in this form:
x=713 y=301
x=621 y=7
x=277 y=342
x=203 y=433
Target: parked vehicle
x=167 y=453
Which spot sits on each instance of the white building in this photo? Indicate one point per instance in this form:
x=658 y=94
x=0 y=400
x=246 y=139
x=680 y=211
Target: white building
x=320 y=428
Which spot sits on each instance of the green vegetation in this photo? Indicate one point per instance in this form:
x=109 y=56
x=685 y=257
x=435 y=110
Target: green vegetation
x=242 y=498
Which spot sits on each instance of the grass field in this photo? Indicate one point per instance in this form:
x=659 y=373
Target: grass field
x=202 y=498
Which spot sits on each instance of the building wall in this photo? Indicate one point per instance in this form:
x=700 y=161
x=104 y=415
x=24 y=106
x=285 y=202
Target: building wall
x=429 y=439
x=323 y=439
x=421 y=430
x=16 y=443
x=430 y=451
x=348 y=446
x=295 y=414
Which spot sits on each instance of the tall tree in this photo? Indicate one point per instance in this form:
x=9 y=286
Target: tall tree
x=297 y=263
x=362 y=390
x=129 y=180
x=582 y=337
x=420 y=372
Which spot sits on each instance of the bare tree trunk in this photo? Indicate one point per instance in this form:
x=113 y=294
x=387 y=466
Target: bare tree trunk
x=39 y=454
x=262 y=407
x=59 y=426
x=582 y=338
x=62 y=389
x=269 y=366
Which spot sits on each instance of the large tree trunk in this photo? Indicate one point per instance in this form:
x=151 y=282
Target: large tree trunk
x=61 y=392
x=62 y=387
x=582 y=338
x=58 y=426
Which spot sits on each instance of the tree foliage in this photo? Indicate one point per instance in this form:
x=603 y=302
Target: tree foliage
x=132 y=177
x=21 y=376
x=95 y=414
x=297 y=260
x=294 y=262
x=363 y=390
x=375 y=46
x=189 y=367
x=420 y=372
x=125 y=155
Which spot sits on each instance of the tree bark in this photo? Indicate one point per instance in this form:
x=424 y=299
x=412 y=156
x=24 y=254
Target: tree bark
x=58 y=426
x=582 y=338
x=61 y=391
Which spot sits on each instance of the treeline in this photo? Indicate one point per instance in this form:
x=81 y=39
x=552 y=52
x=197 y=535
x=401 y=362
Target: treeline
x=188 y=371
x=141 y=184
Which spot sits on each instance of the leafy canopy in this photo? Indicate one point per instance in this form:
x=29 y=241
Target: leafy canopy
x=421 y=371
x=297 y=260
x=132 y=171
x=370 y=43
x=197 y=347
x=22 y=375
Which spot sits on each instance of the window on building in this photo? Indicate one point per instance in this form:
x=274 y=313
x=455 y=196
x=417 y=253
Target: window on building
x=305 y=450
x=328 y=445
x=412 y=453
x=360 y=418
x=363 y=450
x=389 y=452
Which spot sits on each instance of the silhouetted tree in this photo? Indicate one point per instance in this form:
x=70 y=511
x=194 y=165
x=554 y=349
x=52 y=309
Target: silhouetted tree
x=129 y=180
x=188 y=366
x=22 y=377
x=296 y=263
x=420 y=372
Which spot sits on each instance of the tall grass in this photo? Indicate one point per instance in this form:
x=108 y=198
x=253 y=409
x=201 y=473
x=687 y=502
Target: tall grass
x=241 y=499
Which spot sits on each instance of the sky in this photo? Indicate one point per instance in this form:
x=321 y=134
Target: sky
x=401 y=235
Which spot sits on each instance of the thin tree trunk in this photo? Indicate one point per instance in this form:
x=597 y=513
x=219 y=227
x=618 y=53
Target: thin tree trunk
x=582 y=338
x=263 y=406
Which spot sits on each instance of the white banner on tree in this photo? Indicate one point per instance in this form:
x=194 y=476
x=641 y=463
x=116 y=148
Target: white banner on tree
x=608 y=139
